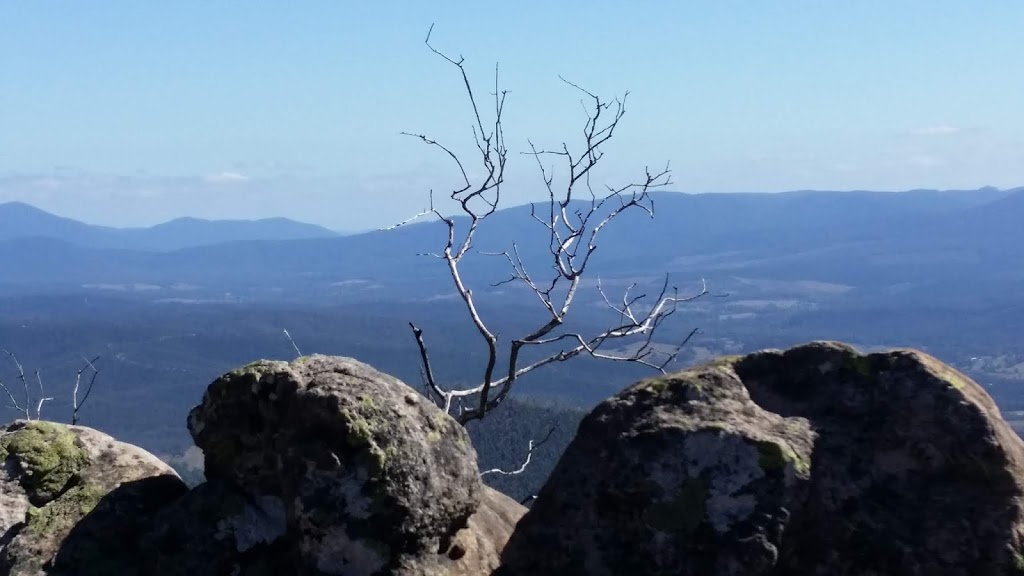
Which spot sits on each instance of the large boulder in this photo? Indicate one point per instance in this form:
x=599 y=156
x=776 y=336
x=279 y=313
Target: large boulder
x=327 y=466
x=73 y=500
x=814 y=461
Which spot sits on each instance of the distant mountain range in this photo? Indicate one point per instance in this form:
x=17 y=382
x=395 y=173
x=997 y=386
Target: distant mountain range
x=938 y=270
x=20 y=221
x=879 y=244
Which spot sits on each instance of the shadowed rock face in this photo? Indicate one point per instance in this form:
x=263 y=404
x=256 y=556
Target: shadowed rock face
x=216 y=529
x=914 y=470
x=817 y=460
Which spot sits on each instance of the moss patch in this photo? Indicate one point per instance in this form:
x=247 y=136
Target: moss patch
x=362 y=435
x=683 y=514
x=774 y=456
x=862 y=365
x=439 y=422
x=254 y=369
x=1016 y=563
x=654 y=385
x=955 y=379
x=48 y=455
x=360 y=432
x=673 y=383
x=725 y=361
x=64 y=512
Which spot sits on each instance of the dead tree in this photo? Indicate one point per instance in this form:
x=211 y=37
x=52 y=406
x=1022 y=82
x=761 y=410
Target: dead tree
x=25 y=406
x=76 y=404
x=577 y=211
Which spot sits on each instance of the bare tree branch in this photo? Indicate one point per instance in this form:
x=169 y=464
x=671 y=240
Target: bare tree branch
x=24 y=408
x=526 y=461
x=575 y=216
x=298 y=353
x=412 y=219
x=42 y=397
x=14 y=405
x=443 y=397
x=75 y=404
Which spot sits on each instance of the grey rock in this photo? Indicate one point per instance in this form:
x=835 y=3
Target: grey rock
x=74 y=500
x=217 y=529
x=814 y=461
x=365 y=476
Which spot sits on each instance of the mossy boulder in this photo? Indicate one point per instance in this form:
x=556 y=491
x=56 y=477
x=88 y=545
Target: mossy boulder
x=814 y=460
x=71 y=496
x=676 y=475
x=368 y=476
x=47 y=455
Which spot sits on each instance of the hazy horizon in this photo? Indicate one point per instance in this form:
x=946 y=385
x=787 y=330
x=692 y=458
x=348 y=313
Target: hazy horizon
x=124 y=114
x=229 y=218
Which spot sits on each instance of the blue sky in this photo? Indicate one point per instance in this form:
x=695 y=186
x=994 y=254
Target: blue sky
x=131 y=113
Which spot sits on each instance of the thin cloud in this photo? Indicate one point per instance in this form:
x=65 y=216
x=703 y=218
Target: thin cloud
x=923 y=160
x=938 y=130
x=226 y=178
x=843 y=167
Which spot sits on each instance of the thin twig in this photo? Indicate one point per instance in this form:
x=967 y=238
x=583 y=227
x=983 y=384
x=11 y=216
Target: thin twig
x=24 y=408
x=75 y=404
x=42 y=397
x=526 y=461
x=14 y=401
x=428 y=374
x=298 y=353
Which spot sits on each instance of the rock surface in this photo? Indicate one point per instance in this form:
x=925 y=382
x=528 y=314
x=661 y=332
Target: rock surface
x=326 y=466
x=216 y=529
x=71 y=496
x=813 y=461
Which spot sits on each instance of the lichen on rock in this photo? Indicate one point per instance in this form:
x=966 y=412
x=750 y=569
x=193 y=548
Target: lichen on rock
x=47 y=456
x=374 y=480
x=814 y=460
x=61 y=514
x=778 y=456
x=666 y=477
x=74 y=497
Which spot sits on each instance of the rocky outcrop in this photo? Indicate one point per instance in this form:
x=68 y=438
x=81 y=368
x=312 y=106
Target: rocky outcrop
x=71 y=496
x=319 y=466
x=813 y=461
x=326 y=466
